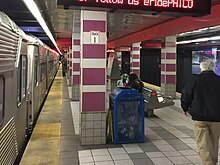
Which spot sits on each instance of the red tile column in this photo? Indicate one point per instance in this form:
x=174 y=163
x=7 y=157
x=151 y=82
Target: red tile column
x=93 y=77
x=76 y=56
x=69 y=66
x=168 y=66
x=135 y=58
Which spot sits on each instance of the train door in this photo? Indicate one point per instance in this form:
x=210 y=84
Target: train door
x=150 y=66
x=32 y=50
x=22 y=109
x=125 y=63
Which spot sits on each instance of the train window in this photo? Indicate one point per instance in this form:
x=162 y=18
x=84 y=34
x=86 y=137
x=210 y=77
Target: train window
x=50 y=68
x=2 y=87
x=21 y=79
x=51 y=65
x=24 y=76
x=19 y=82
x=43 y=70
x=35 y=66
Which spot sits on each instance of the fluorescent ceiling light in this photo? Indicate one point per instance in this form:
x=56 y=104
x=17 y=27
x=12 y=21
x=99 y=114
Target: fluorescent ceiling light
x=31 y=5
x=199 y=40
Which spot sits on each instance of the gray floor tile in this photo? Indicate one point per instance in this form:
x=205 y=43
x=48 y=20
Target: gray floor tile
x=142 y=162
x=67 y=137
x=120 y=157
x=150 y=149
x=155 y=155
x=69 y=161
x=176 y=109
x=115 y=151
x=157 y=128
x=186 y=130
x=179 y=147
x=138 y=156
x=174 y=141
x=162 y=161
x=105 y=163
x=179 y=160
x=167 y=136
x=101 y=158
x=69 y=154
x=124 y=162
x=68 y=148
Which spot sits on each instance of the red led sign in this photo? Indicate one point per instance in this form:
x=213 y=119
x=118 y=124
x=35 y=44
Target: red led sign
x=189 y=7
x=186 y=4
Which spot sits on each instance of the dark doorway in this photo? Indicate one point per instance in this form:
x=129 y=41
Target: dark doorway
x=125 y=66
x=150 y=66
x=184 y=66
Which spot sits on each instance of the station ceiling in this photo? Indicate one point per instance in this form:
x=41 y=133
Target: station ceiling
x=60 y=21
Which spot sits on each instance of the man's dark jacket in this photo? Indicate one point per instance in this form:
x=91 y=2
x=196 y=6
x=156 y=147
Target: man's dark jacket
x=201 y=97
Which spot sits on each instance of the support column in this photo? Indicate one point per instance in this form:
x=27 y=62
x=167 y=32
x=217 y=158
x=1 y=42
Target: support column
x=135 y=58
x=69 y=66
x=119 y=59
x=76 y=56
x=93 y=77
x=168 y=66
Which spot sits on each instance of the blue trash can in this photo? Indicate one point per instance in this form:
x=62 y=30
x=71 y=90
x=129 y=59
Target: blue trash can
x=128 y=115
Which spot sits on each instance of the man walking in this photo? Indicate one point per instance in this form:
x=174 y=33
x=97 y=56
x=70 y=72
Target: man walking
x=201 y=99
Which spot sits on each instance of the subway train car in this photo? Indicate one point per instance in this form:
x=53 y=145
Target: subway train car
x=27 y=68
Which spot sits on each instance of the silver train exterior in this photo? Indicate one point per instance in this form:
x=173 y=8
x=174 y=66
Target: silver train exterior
x=27 y=68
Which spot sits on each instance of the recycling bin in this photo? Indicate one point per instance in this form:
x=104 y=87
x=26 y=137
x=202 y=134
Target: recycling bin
x=127 y=106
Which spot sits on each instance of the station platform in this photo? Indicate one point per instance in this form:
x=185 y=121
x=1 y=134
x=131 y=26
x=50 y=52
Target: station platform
x=169 y=138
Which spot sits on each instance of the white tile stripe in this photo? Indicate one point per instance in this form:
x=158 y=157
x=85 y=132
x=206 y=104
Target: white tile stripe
x=136 y=68
x=94 y=88
x=137 y=44
x=118 y=54
x=75 y=115
x=136 y=52
x=171 y=39
x=136 y=60
x=76 y=60
x=76 y=36
x=166 y=61
x=168 y=50
x=76 y=48
x=93 y=15
x=76 y=73
x=94 y=63
x=168 y=73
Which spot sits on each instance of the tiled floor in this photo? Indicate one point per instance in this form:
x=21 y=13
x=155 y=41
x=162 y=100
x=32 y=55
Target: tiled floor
x=169 y=140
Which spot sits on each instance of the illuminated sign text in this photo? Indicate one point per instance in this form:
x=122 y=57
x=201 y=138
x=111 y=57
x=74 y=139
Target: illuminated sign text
x=189 y=7
x=151 y=3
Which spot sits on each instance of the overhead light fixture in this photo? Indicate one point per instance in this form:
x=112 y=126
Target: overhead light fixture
x=199 y=40
x=31 y=5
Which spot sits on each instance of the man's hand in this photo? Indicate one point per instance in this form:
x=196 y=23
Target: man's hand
x=186 y=113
